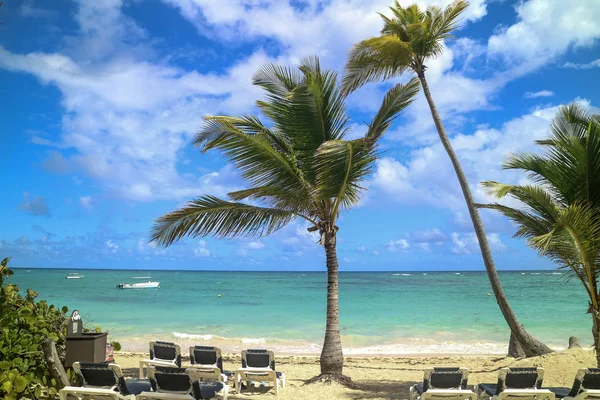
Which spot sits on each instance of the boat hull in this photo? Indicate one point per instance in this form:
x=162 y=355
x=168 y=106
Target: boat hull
x=144 y=285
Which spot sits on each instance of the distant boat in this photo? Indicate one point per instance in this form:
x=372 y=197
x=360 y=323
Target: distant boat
x=73 y=275
x=139 y=285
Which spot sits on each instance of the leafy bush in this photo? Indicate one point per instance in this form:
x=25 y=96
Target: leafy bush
x=24 y=323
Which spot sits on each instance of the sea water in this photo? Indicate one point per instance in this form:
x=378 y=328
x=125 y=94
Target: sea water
x=380 y=312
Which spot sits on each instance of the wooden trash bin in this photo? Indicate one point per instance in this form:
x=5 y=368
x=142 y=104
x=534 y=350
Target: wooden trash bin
x=84 y=346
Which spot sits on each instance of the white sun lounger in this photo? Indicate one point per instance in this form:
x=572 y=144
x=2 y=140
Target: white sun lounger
x=443 y=383
x=258 y=365
x=170 y=383
x=162 y=354
x=516 y=384
x=101 y=380
x=586 y=386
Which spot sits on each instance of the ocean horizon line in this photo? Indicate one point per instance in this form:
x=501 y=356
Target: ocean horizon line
x=282 y=271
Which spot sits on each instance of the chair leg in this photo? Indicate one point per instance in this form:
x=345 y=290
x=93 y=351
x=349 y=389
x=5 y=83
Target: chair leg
x=141 y=369
x=225 y=393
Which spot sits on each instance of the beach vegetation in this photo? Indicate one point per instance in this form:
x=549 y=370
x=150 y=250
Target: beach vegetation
x=24 y=323
x=410 y=37
x=300 y=166
x=560 y=204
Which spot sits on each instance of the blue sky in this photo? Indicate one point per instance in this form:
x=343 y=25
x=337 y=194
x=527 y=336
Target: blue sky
x=101 y=100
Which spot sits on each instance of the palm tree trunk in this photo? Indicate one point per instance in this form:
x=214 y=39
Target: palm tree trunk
x=530 y=345
x=596 y=333
x=332 y=358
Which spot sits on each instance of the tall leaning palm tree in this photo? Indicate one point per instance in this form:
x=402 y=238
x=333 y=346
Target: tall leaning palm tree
x=409 y=38
x=560 y=216
x=298 y=167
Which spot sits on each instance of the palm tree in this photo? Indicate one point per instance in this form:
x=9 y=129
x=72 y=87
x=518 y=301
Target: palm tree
x=298 y=168
x=408 y=40
x=561 y=214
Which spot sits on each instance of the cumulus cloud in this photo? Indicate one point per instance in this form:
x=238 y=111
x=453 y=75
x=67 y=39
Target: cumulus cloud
x=468 y=243
x=541 y=93
x=399 y=245
x=590 y=65
x=434 y=235
x=324 y=28
x=111 y=246
x=256 y=245
x=201 y=249
x=30 y=9
x=128 y=117
x=34 y=205
x=547 y=28
x=426 y=175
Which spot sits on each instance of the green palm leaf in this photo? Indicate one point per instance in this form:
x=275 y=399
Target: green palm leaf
x=209 y=215
x=407 y=40
x=395 y=100
x=561 y=214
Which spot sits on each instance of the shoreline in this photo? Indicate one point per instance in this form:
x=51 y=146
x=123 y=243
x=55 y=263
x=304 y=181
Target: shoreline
x=405 y=347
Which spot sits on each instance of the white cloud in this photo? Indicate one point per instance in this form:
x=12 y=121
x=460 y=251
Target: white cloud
x=324 y=28
x=128 y=114
x=256 y=245
x=541 y=93
x=426 y=175
x=397 y=245
x=547 y=28
x=85 y=202
x=111 y=246
x=590 y=65
x=201 y=250
x=434 y=236
x=468 y=243
x=29 y=9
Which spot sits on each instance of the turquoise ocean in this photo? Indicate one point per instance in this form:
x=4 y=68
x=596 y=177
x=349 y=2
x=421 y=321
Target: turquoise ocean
x=380 y=312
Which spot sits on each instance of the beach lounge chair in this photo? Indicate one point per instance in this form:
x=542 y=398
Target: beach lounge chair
x=586 y=386
x=162 y=354
x=105 y=381
x=259 y=366
x=208 y=356
x=443 y=383
x=208 y=382
x=516 y=383
x=183 y=384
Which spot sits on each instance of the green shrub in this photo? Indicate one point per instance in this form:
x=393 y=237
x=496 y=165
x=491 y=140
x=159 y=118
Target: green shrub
x=24 y=323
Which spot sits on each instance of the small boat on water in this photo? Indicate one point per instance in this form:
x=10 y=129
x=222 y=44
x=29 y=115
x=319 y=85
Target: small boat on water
x=139 y=285
x=73 y=275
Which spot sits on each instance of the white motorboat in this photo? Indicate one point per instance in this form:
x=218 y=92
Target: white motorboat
x=139 y=285
x=73 y=275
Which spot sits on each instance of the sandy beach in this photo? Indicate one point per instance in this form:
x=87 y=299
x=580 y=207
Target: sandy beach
x=390 y=377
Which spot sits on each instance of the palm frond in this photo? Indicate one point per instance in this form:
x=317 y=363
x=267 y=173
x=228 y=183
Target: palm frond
x=561 y=213
x=209 y=215
x=252 y=153
x=396 y=99
x=341 y=165
x=279 y=81
x=375 y=59
x=277 y=197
